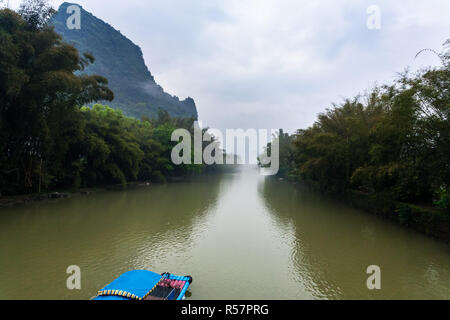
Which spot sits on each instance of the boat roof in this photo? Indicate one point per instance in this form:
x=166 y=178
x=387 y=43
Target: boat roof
x=134 y=284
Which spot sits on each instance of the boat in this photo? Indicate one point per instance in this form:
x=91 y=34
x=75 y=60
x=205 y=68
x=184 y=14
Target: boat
x=145 y=285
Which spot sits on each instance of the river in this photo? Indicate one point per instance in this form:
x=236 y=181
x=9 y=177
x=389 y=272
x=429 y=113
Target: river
x=239 y=235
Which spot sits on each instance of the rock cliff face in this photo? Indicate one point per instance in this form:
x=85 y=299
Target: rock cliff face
x=121 y=61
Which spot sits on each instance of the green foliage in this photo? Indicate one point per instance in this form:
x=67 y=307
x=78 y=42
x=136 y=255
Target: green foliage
x=404 y=214
x=47 y=141
x=286 y=153
x=119 y=149
x=36 y=13
x=111 y=152
x=443 y=199
x=39 y=93
x=393 y=140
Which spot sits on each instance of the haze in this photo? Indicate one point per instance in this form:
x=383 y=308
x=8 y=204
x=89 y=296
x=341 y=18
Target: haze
x=274 y=64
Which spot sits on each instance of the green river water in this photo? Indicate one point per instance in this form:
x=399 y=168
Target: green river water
x=239 y=235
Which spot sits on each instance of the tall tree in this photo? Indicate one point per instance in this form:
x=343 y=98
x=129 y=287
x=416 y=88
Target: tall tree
x=39 y=98
x=36 y=12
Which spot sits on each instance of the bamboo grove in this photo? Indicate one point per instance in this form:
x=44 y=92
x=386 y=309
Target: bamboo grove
x=48 y=139
x=392 y=140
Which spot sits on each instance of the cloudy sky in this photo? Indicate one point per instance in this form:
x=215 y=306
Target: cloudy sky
x=274 y=63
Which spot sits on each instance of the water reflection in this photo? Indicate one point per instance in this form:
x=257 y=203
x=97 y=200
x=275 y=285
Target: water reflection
x=105 y=234
x=334 y=245
x=240 y=235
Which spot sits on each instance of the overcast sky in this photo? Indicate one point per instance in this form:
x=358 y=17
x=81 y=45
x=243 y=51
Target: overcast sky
x=274 y=64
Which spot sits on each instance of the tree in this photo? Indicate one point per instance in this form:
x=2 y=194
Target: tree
x=39 y=98
x=36 y=13
x=394 y=140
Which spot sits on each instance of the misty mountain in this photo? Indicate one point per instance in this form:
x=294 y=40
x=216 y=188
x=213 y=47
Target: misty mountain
x=121 y=61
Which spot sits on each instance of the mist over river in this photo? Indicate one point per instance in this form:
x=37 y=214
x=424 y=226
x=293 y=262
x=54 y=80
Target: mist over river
x=239 y=235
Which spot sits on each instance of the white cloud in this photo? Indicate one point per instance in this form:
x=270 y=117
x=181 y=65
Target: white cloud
x=277 y=63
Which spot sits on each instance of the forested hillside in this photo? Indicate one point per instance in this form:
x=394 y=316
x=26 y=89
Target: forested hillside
x=121 y=61
x=48 y=138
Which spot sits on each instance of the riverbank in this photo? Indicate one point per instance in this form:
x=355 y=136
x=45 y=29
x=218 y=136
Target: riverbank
x=54 y=195
x=306 y=246
x=9 y=201
x=432 y=222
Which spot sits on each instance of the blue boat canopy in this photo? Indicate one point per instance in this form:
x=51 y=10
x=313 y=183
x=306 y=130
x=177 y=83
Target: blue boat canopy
x=135 y=285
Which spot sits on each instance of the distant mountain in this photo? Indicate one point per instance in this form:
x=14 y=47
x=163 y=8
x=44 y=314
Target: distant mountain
x=121 y=61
